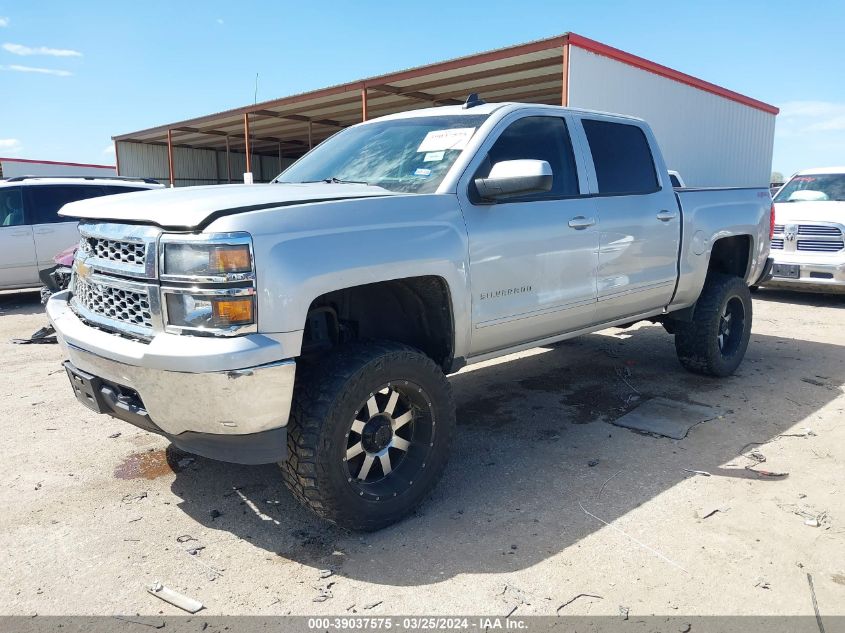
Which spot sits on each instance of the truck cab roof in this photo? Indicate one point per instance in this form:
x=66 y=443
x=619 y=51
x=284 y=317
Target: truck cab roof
x=490 y=108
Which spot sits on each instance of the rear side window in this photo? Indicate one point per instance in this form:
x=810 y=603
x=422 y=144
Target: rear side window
x=115 y=189
x=11 y=207
x=539 y=138
x=622 y=158
x=44 y=201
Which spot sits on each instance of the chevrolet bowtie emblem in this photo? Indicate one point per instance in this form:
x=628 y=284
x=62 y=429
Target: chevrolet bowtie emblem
x=83 y=270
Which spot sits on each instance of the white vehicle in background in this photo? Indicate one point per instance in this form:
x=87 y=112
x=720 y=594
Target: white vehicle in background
x=31 y=230
x=808 y=245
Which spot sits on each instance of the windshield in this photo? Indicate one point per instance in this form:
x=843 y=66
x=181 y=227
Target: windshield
x=406 y=155
x=813 y=188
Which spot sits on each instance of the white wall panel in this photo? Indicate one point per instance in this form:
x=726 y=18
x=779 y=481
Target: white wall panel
x=10 y=168
x=713 y=141
x=193 y=166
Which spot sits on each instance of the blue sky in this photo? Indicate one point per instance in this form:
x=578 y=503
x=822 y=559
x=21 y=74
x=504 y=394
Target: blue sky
x=72 y=74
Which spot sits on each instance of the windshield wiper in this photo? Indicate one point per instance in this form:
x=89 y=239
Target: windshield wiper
x=334 y=180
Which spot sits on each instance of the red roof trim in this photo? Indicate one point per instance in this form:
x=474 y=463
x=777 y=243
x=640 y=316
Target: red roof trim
x=664 y=71
x=53 y=162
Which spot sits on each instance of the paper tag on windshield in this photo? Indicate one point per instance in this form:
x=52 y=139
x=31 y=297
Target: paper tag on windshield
x=440 y=140
x=433 y=156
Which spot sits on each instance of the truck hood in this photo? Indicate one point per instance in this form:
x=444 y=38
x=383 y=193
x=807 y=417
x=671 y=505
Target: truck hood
x=195 y=207
x=795 y=212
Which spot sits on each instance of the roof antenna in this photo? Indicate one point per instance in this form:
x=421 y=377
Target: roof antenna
x=473 y=100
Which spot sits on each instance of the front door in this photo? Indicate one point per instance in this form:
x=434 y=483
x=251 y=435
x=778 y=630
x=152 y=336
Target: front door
x=532 y=259
x=54 y=233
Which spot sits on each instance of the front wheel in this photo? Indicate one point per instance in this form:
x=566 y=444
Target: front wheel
x=714 y=342
x=369 y=433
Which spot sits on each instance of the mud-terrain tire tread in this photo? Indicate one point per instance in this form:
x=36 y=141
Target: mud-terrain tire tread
x=320 y=384
x=696 y=341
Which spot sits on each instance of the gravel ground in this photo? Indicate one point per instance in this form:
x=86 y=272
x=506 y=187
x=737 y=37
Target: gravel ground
x=543 y=499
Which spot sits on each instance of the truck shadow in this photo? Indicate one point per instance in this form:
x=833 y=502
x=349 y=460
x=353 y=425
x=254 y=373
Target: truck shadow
x=21 y=302
x=812 y=299
x=534 y=452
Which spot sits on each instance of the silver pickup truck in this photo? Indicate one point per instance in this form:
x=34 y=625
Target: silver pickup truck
x=313 y=321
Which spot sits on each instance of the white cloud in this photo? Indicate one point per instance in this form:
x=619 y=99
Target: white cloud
x=4 y=21
x=219 y=20
x=20 y=49
x=109 y=149
x=10 y=146
x=35 y=69
x=798 y=118
x=809 y=134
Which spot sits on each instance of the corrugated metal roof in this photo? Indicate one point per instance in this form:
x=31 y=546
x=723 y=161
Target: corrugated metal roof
x=532 y=72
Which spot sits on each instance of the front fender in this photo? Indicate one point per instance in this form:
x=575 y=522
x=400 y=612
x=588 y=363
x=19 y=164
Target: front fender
x=306 y=251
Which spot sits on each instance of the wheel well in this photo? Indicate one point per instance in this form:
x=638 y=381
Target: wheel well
x=416 y=311
x=730 y=255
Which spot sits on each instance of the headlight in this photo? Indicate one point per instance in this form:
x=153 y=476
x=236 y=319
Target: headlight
x=208 y=284
x=206 y=260
x=210 y=310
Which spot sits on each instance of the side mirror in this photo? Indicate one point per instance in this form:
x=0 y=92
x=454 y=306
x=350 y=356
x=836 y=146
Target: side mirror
x=510 y=178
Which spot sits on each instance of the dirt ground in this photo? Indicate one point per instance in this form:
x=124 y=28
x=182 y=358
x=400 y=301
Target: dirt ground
x=544 y=499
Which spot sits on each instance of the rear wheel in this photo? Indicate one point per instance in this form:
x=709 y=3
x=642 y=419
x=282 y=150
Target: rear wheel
x=369 y=433
x=714 y=342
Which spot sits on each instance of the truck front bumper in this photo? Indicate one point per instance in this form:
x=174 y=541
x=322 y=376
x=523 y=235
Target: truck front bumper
x=236 y=414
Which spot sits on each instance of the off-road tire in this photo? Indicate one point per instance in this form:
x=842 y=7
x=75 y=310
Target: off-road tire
x=327 y=394
x=697 y=342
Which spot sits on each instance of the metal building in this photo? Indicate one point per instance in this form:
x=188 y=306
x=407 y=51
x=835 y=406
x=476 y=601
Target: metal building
x=12 y=167
x=712 y=135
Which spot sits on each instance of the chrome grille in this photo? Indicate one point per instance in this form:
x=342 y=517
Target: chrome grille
x=124 y=250
x=818 y=229
x=820 y=246
x=117 y=251
x=777 y=244
x=778 y=228
x=113 y=303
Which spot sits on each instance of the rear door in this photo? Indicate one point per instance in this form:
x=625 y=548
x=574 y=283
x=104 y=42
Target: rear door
x=52 y=232
x=532 y=259
x=17 y=247
x=639 y=219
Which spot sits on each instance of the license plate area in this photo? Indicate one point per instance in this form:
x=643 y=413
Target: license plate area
x=86 y=388
x=789 y=271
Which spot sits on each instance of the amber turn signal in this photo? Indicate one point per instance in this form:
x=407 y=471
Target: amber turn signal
x=230 y=259
x=234 y=311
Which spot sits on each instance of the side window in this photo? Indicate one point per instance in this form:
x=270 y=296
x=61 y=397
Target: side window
x=539 y=138
x=44 y=201
x=11 y=207
x=115 y=189
x=622 y=158
x=674 y=179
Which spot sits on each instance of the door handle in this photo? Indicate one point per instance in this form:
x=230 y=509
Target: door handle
x=43 y=231
x=579 y=222
x=665 y=216
x=20 y=233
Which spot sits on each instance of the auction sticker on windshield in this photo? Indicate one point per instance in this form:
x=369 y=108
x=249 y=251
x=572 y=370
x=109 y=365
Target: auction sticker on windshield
x=439 y=140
